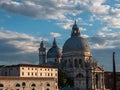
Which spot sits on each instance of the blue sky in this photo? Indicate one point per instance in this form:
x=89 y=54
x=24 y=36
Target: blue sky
x=24 y=23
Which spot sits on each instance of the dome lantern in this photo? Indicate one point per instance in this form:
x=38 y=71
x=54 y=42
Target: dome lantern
x=75 y=30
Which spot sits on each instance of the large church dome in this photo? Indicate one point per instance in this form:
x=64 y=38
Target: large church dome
x=76 y=42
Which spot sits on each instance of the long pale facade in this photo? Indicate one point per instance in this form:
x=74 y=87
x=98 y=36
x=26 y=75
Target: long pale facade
x=28 y=77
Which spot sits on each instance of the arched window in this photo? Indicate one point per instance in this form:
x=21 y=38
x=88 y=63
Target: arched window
x=80 y=63
x=1 y=85
x=65 y=63
x=79 y=75
x=76 y=63
x=96 y=80
x=33 y=89
x=47 y=89
x=55 y=60
x=23 y=84
x=48 y=84
x=70 y=63
x=33 y=85
x=17 y=85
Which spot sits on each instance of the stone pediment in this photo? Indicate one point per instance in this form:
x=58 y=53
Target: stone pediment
x=97 y=69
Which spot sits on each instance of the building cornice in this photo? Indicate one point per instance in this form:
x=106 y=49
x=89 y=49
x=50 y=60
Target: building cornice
x=25 y=78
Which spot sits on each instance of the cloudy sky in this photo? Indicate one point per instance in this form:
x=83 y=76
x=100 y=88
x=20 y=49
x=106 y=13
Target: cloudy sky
x=24 y=23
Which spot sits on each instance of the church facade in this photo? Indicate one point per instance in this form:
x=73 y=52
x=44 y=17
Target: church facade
x=75 y=59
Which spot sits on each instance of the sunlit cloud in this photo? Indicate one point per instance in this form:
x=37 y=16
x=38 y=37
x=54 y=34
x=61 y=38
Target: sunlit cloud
x=53 y=34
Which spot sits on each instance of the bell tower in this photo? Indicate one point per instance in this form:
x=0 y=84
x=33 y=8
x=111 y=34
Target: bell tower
x=42 y=53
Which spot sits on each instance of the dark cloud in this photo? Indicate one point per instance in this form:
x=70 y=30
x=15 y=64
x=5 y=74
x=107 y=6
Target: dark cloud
x=104 y=57
x=18 y=48
x=109 y=40
x=10 y=54
x=9 y=59
x=97 y=39
x=7 y=49
x=107 y=44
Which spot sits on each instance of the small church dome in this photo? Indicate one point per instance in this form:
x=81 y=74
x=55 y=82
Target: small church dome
x=54 y=51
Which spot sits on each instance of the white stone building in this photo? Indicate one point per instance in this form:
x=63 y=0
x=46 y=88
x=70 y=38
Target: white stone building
x=28 y=77
x=77 y=60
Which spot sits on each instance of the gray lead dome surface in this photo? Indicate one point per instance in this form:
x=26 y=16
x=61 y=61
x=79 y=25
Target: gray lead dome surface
x=54 y=51
x=76 y=43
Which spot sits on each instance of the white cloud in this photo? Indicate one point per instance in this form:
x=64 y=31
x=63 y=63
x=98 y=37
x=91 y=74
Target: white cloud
x=62 y=10
x=117 y=5
x=115 y=12
x=114 y=22
x=98 y=8
x=101 y=34
x=16 y=48
x=66 y=23
x=105 y=40
x=53 y=34
x=84 y=36
x=22 y=41
x=82 y=29
x=106 y=29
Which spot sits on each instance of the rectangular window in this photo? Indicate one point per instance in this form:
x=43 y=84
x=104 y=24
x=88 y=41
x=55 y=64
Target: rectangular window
x=55 y=74
x=40 y=74
x=32 y=73
x=22 y=73
x=56 y=87
x=35 y=74
x=51 y=74
x=28 y=73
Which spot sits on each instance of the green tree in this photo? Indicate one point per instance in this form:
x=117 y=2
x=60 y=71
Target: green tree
x=63 y=79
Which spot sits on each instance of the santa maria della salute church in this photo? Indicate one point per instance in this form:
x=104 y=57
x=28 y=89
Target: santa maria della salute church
x=76 y=60
x=71 y=65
